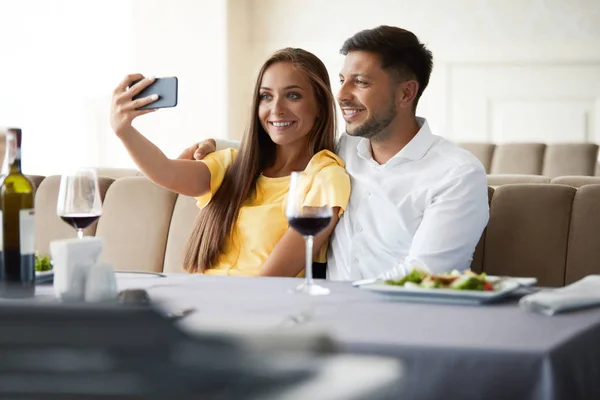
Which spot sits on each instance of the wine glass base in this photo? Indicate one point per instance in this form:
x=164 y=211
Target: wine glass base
x=312 y=289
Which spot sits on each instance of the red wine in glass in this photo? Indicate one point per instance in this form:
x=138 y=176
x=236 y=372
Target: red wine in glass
x=309 y=225
x=79 y=221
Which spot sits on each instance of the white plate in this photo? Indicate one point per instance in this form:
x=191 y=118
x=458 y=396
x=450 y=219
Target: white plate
x=138 y=275
x=449 y=295
x=43 y=277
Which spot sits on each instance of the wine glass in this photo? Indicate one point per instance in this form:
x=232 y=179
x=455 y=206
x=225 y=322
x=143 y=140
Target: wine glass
x=79 y=202
x=308 y=221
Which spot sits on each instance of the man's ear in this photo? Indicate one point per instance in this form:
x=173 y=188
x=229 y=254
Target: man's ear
x=407 y=93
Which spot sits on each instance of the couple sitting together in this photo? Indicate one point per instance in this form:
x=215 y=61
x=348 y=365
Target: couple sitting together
x=401 y=195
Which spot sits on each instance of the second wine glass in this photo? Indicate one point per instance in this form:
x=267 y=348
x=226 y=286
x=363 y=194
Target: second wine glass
x=308 y=221
x=79 y=203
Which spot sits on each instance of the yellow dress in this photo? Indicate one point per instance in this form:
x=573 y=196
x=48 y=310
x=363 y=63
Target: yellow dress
x=261 y=221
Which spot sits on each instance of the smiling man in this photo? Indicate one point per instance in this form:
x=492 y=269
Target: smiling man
x=417 y=199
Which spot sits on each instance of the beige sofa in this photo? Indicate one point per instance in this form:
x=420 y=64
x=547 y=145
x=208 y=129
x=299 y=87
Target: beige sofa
x=550 y=231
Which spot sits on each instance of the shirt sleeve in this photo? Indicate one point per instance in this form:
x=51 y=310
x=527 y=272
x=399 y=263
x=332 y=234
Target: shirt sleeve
x=330 y=187
x=217 y=163
x=452 y=225
x=223 y=144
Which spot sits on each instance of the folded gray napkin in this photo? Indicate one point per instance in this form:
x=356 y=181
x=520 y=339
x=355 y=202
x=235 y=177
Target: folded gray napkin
x=581 y=294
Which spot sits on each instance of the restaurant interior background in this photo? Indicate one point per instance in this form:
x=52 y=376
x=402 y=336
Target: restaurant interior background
x=505 y=70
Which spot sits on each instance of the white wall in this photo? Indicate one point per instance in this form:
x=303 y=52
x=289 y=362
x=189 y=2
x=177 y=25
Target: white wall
x=60 y=60
x=56 y=59
x=187 y=39
x=505 y=70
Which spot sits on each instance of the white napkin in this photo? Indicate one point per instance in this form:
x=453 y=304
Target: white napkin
x=101 y=283
x=583 y=293
x=72 y=259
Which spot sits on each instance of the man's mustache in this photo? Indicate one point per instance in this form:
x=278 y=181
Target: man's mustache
x=349 y=105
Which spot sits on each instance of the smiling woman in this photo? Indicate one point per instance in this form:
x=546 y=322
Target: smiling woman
x=241 y=228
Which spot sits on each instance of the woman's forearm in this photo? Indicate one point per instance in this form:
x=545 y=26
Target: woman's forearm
x=185 y=177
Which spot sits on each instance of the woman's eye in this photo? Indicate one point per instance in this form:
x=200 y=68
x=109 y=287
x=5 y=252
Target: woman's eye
x=265 y=97
x=293 y=96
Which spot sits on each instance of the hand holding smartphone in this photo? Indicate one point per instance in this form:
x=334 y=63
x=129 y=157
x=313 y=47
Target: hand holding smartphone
x=164 y=88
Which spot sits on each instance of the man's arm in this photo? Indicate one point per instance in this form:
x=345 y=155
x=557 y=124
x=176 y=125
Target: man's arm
x=451 y=226
x=199 y=150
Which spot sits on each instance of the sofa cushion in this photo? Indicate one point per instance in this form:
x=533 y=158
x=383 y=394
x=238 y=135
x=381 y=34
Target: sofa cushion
x=518 y=158
x=506 y=179
x=528 y=232
x=583 y=257
x=576 y=181
x=184 y=215
x=570 y=159
x=135 y=221
x=48 y=225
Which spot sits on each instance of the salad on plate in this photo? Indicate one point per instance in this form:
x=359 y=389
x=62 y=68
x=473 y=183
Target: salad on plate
x=421 y=279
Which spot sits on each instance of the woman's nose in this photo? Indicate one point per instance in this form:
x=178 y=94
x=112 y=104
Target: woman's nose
x=278 y=108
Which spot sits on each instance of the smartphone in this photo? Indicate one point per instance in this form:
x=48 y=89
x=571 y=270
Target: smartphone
x=165 y=88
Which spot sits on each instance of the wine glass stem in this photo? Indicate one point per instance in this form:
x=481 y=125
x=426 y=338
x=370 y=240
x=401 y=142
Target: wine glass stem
x=80 y=233
x=309 y=257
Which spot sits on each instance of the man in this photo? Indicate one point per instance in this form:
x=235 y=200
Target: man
x=417 y=199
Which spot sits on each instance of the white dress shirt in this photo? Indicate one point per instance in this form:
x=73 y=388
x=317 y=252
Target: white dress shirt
x=427 y=206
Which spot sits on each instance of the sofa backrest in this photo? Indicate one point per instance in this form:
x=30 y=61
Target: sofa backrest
x=550 y=160
x=570 y=159
x=518 y=158
x=583 y=256
x=136 y=216
x=182 y=222
x=528 y=232
x=478 y=255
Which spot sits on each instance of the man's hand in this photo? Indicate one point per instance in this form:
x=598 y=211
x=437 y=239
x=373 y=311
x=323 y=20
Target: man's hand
x=199 y=150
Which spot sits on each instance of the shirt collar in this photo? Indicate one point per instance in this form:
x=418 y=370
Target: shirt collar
x=413 y=151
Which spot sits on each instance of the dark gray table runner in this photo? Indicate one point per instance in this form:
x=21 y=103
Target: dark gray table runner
x=451 y=351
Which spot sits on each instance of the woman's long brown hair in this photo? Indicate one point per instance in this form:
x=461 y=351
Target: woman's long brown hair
x=257 y=152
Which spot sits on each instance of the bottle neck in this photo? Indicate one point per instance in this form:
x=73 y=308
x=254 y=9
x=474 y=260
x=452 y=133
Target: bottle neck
x=15 y=166
x=13 y=150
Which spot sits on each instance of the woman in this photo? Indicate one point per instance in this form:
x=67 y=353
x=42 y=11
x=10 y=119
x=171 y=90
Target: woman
x=241 y=228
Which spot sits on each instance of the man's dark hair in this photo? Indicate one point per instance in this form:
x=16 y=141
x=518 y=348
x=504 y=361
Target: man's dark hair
x=400 y=51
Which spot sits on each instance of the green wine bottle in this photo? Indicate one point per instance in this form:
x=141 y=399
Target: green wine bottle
x=17 y=233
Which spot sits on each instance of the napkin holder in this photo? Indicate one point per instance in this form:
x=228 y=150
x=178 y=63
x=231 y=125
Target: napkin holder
x=73 y=259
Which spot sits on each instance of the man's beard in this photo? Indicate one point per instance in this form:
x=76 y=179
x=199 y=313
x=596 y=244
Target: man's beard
x=374 y=127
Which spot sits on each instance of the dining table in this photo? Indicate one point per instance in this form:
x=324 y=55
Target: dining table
x=451 y=351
